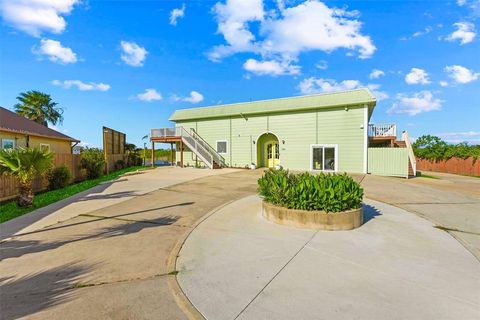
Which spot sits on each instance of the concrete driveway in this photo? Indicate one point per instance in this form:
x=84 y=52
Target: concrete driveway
x=112 y=263
x=451 y=202
x=237 y=265
x=106 y=253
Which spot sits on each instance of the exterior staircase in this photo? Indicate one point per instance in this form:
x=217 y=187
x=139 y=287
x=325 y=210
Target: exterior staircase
x=206 y=153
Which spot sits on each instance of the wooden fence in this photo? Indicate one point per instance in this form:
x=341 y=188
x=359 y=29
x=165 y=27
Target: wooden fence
x=454 y=165
x=388 y=162
x=9 y=184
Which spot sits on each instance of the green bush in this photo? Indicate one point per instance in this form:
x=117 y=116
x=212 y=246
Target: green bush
x=433 y=148
x=327 y=192
x=59 y=177
x=93 y=162
x=120 y=164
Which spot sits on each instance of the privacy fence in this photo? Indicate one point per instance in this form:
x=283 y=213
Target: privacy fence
x=453 y=165
x=388 y=161
x=9 y=184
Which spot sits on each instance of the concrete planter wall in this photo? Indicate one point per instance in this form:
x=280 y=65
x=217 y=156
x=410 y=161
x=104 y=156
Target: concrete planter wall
x=346 y=220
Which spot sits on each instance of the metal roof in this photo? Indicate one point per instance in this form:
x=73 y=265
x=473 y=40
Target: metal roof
x=318 y=101
x=12 y=122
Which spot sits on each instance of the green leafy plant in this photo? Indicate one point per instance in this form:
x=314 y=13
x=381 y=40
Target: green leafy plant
x=39 y=107
x=120 y=164
x=433 y=148
x=25 y=164
x=327 y=192
x=59 y=177
x=93 y=162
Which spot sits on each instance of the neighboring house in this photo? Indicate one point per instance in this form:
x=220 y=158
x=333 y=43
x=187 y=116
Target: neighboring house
x=323 y=132
x=18 y=131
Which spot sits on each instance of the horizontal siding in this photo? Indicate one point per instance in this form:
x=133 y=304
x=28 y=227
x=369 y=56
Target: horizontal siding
x=388 y=161
x=296 y=132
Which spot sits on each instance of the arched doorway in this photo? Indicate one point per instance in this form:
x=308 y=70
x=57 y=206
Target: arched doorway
x=268 y=151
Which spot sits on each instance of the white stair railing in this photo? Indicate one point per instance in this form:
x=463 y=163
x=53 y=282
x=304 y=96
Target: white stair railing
x=411 y=155
x=194 y=142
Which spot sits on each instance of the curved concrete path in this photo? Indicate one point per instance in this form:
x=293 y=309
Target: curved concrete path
x=236 y=265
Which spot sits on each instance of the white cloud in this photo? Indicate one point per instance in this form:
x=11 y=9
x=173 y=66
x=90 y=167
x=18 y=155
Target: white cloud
x=471 y=137
x=82 y=86
x=320 y=85
x=419 y=102
x=461 y=74
x=417 y=76
x=36 y=16
x=55 y=51
x=133 y=54
x=175 y=14
x=322 y=65
x=195 y=97
x=460 y=134
x=375 y=74
x=425 y=31
x=150 y=95
x=285 y=32
x=465 y=33
x=443 y=84
x=270 y=67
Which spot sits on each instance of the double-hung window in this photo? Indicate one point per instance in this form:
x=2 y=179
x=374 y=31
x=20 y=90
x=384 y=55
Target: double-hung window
x=222 y=146
x=324 y=157
x=8 y=144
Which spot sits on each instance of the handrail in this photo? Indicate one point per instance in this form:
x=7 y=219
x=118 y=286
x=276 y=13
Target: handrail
x=219 y=159
x=382 y=130
x=411 y=154
x=192 y=143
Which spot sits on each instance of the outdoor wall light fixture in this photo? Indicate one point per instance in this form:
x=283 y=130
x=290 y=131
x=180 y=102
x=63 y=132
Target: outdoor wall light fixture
x=346 y=108
x=283 y=141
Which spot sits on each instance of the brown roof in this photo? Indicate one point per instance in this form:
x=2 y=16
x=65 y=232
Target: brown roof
x=10 y=121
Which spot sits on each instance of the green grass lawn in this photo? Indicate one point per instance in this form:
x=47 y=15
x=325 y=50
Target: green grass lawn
x=10 y=209
x=421 y=174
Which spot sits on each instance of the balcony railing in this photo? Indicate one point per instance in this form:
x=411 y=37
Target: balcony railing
x=382 y=130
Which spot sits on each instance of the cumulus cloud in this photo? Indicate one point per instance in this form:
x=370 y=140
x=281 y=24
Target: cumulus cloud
x=149 y=95
x=314 y=85
x=285 y=32
x=461 y=74
x=322 y=65
x=55 y=51
x=417 y=76
x=195 y=97
x=270 y=67
x=443 y=84
x=37 y=16
x=465 y=33
x=472 y=137
x=375 y=74
x=419 y=102
x=176 y=14
x=82 y=86
x=133 y=54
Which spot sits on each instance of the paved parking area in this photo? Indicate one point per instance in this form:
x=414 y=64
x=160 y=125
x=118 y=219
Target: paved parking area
x=237 y=265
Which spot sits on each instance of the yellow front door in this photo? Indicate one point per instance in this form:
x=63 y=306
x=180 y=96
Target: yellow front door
x=273 y=155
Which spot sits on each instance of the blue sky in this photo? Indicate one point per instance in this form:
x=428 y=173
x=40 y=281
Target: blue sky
x=129 y=64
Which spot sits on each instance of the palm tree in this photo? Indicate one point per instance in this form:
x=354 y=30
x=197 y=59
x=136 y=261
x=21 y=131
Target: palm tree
x=39 y=107
x=25 y=164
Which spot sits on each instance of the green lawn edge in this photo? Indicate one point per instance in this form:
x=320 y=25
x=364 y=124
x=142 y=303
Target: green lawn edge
x=10 y=210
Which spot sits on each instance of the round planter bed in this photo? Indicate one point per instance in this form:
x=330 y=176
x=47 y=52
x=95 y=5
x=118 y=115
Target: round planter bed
x=345 y=220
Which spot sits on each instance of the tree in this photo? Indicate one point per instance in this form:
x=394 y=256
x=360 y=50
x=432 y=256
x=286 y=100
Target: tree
x=39 y=107
x=25 y=164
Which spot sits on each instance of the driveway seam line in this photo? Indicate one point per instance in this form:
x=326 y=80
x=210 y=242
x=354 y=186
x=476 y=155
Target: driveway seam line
x=277 y=273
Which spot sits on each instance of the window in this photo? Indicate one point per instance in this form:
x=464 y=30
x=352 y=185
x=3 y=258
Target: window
x=8 y=143
x=44 y=147
x=324 y=157
x=222 y=146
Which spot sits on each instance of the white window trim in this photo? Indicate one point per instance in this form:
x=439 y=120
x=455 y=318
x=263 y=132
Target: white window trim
x=216 y=146
x=8 y=139
x=365 y=139
x=324 y=146
x=45 y=145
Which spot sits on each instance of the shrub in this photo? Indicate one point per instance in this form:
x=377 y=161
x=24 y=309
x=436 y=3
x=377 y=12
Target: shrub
x=59 y=177
x=327 y=192
x=120 y=164
x=93 y=162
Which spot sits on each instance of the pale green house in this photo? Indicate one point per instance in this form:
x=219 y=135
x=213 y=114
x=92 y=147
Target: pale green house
x=323 y=132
